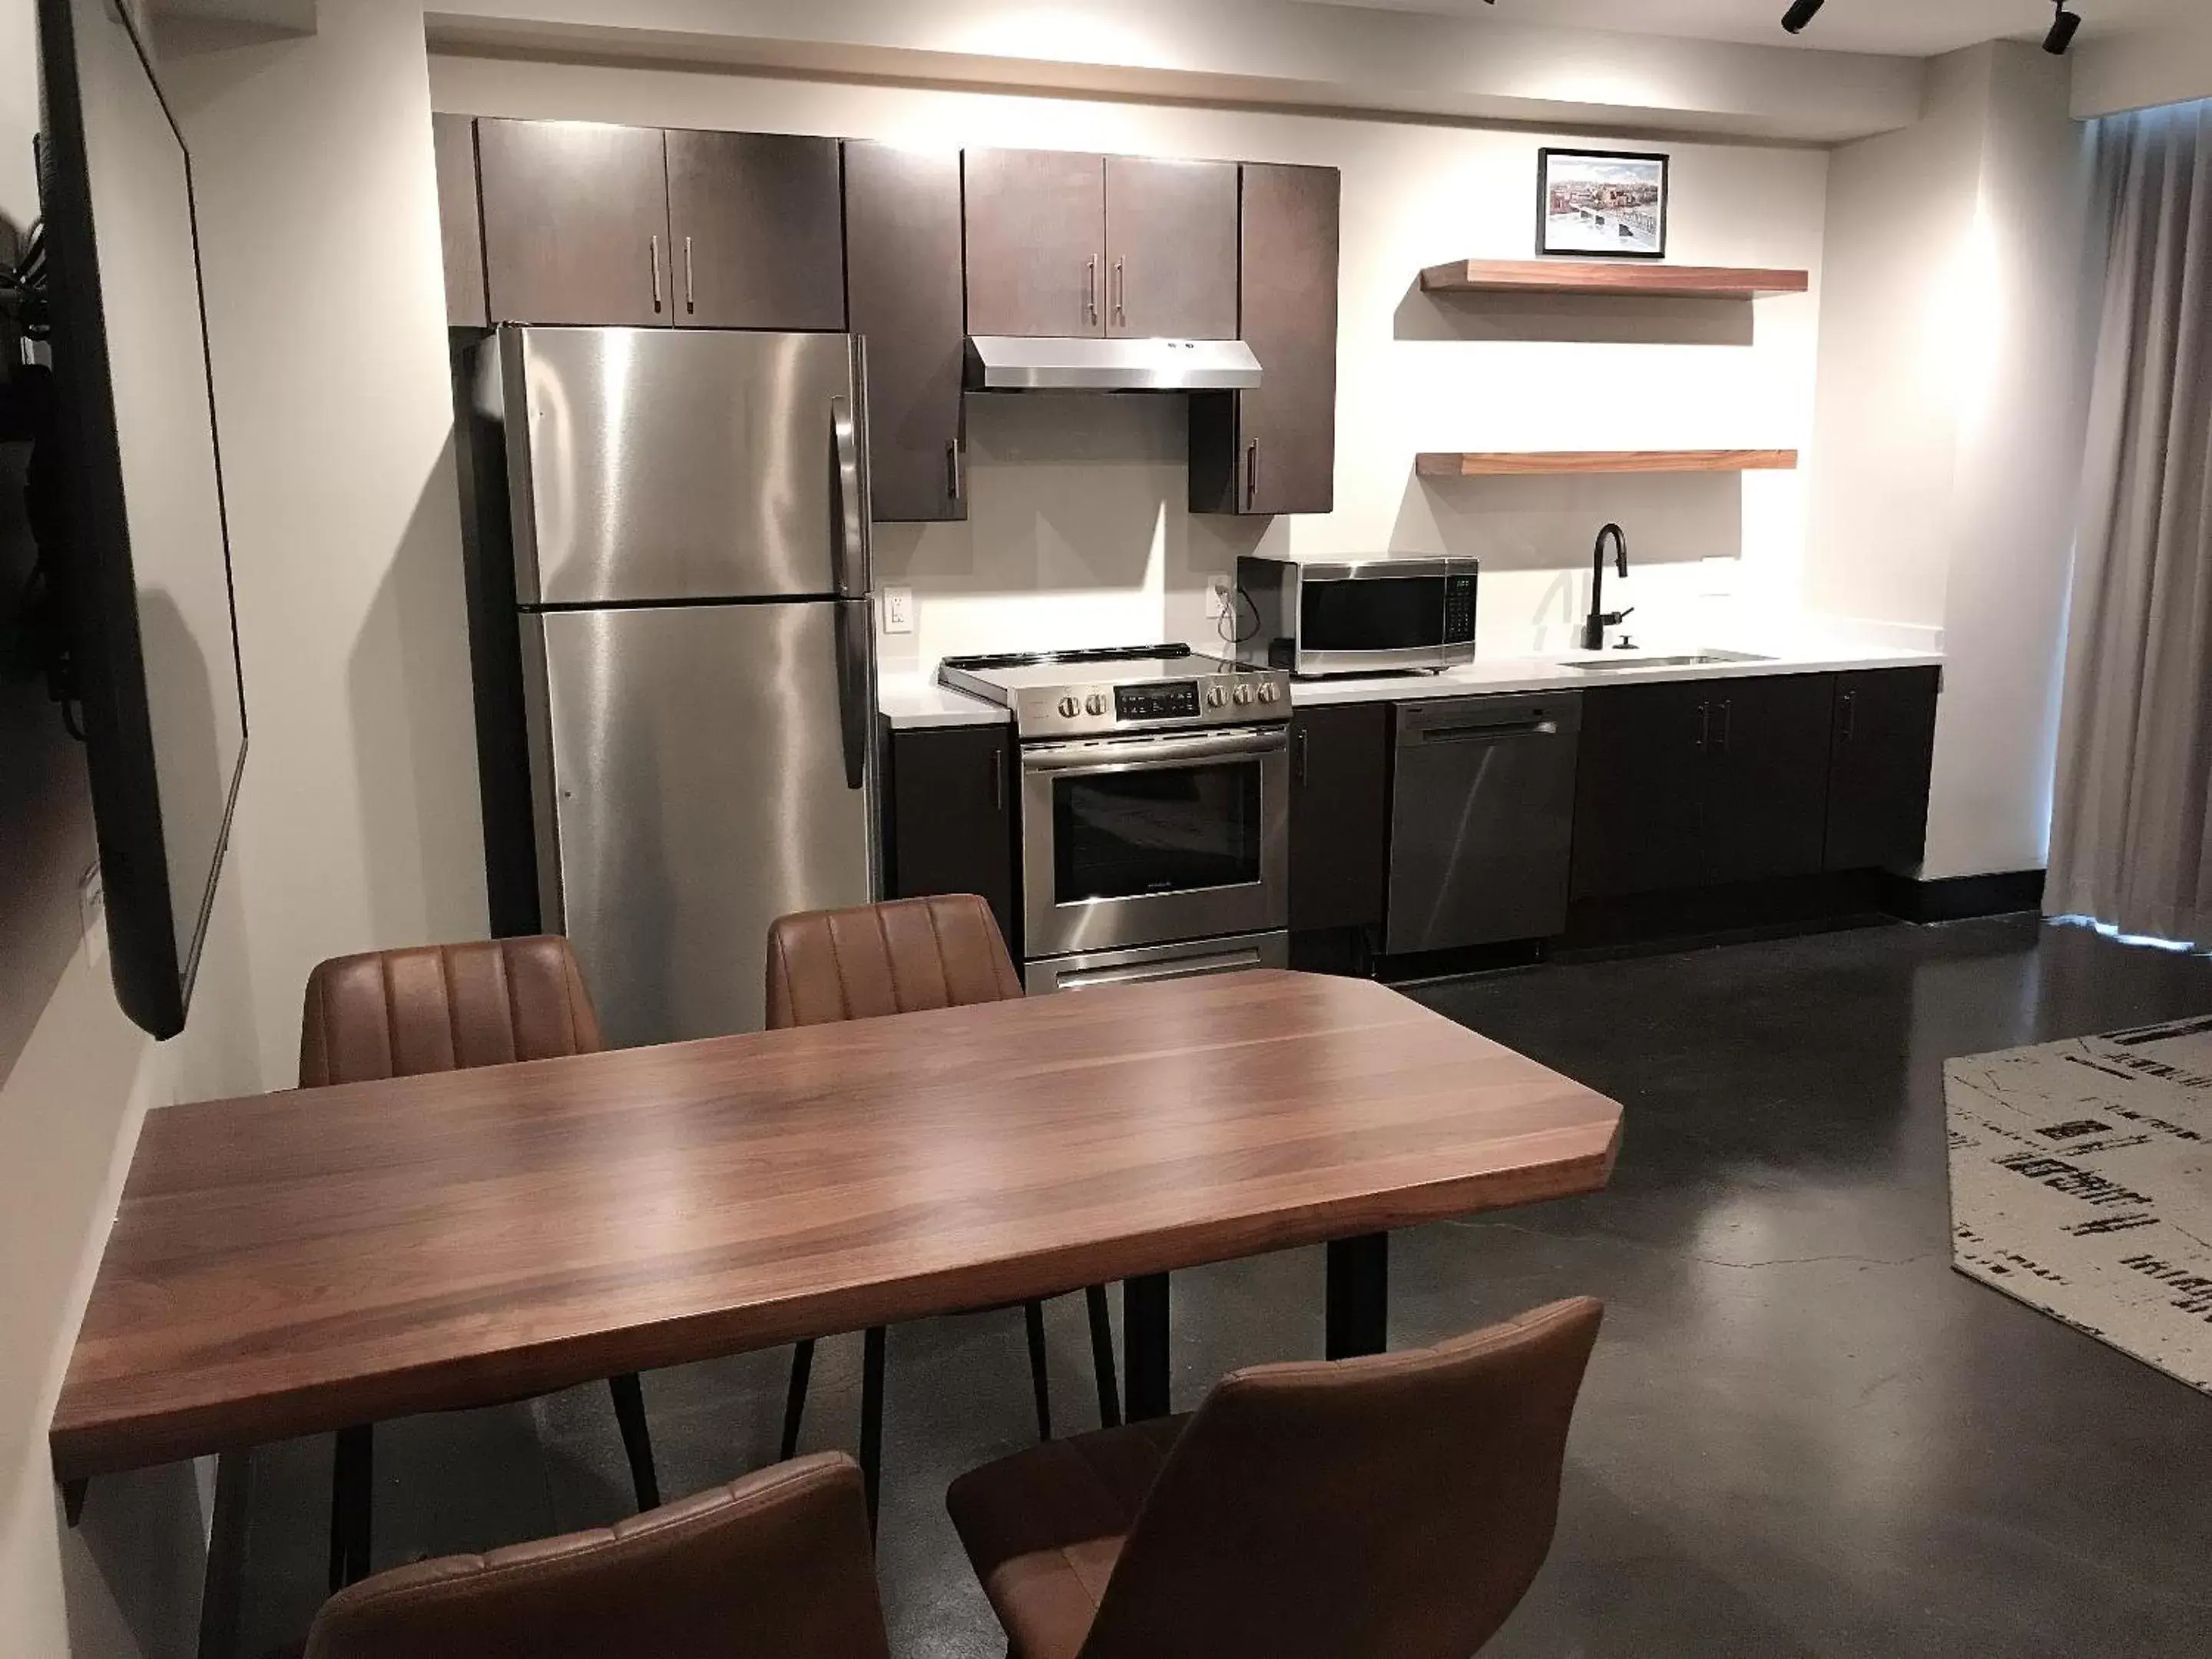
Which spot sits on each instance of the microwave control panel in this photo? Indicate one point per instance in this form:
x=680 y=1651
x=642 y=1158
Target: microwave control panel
x=1459 y=610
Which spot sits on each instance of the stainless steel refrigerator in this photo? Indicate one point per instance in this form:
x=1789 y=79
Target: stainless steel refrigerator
x=685 y=516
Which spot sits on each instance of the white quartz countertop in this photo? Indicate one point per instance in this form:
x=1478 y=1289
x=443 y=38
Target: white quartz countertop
x=910 y=700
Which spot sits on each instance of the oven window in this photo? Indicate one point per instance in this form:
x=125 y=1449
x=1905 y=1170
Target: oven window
x=1164 y=830
x=1391 y=613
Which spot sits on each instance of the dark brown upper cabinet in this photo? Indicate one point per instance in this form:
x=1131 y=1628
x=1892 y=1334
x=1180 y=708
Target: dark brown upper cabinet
x=904 y=296
x=1273 y=449
x=453 y=147
x=756 y=231
x=576 y=222
x=1037 y=242
x=1171 y=249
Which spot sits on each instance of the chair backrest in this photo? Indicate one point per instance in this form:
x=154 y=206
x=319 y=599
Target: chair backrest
x=897 y=957
x=777 y=1564
x=1397 y=1505
x=443 y=1008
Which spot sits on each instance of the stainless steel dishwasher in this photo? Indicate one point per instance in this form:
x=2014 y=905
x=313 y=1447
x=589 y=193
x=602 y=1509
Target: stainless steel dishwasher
x=1482 y=806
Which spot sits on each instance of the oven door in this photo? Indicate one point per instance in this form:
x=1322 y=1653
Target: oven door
x=1148 y=840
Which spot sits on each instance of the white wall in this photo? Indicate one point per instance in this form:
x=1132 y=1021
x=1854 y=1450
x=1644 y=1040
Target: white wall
x=1078 y=532
x=357 y=821
x=1947 y=445
x=1508 y=64
x=2169 y=63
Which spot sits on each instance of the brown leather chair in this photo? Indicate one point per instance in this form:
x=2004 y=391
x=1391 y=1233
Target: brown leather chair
x=444 y=1008
x=902 y=956
x=775 y=1567
x=1395 y=1506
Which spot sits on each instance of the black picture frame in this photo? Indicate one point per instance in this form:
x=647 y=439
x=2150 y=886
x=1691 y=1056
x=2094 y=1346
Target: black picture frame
x=1545 y=248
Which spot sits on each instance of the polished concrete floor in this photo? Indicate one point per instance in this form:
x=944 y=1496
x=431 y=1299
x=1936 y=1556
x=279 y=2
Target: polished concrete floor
x=1802 y=1432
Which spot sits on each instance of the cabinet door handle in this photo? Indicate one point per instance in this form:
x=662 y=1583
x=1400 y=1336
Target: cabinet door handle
x=1090 y=289
x=1704 y=724
x=953 y=480
x=688 y=307
x=1850 y=715
x=1121 y=293
x=652 y=256
x=1302 y=759
x=1251 y=471
x=1721 y=740
x=998 y=781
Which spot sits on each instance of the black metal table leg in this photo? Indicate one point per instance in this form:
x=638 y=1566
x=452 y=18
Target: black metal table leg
x=1144 y=1347
x=1358 y=1295
x=871 y=1418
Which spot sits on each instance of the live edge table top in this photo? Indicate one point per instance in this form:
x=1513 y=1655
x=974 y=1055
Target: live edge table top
x=301 y=1261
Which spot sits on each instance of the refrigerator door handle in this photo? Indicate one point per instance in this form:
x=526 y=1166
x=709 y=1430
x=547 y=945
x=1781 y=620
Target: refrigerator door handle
x=853 y=713
x=852 y=500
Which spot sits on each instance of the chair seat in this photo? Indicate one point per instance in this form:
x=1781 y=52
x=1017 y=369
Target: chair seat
x=1044 y=1528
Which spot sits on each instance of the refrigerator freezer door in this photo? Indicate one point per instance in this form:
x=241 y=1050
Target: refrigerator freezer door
x=684 y=464
x=693 y=761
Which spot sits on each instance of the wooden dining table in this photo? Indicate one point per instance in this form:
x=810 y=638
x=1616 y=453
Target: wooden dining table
x=321 y=1258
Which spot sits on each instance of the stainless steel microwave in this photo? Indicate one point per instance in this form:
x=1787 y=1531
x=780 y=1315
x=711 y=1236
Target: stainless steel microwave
x=1360 y=617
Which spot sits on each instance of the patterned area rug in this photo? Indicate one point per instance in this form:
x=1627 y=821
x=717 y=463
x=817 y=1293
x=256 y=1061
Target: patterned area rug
x=2081 y=1183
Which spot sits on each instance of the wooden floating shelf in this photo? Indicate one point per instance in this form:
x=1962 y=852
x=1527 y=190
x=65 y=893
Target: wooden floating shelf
x=1610 y=276
x=1445 y=464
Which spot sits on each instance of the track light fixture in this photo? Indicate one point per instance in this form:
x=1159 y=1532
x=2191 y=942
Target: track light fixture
x=2062 y=31
x=1801 y=13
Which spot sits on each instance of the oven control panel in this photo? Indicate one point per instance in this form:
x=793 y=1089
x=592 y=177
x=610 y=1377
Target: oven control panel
x=1233 y=697
x=1174 y=700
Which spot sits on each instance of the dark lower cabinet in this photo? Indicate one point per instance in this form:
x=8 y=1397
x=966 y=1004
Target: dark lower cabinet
x=1765 y=795
x=950 y=812
x=903 y=295
x=1339 y=815
x=1701 y=783
x=576 y=222
x=1273 y=449
x=1883 y=747
x=1639 y=789
x=755 y=227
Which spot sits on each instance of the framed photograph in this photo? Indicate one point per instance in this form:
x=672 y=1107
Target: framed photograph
x=1601 y=203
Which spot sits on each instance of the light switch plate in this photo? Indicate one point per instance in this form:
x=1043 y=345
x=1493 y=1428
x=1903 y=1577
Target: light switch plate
x=898 y=610
x=1717 y=578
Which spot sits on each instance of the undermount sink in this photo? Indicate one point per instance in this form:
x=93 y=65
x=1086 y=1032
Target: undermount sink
x=1626 y=660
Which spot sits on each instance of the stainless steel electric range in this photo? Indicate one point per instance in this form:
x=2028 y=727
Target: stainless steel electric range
x=1155 y=810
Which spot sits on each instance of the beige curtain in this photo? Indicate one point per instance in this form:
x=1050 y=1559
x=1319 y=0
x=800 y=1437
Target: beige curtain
x=2131 y=834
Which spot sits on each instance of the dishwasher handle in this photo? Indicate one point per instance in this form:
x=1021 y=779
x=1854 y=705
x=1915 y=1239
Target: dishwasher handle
x=1529 y=728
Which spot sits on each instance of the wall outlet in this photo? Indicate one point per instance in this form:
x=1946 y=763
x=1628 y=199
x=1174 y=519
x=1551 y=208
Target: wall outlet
x=92 y=915
x=898 y=610
x=1217 y=597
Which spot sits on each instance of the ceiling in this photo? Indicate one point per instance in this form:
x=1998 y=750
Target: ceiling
x=1910 y=28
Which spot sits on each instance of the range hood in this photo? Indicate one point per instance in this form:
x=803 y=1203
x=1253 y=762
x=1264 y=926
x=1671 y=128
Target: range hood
x=1014 y=362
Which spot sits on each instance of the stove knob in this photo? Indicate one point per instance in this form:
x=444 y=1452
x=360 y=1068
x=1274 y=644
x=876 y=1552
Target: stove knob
x=1243 y=693
x=1215 y=696
x=1069 y=708
x=1268 y=694
x=1096 y=703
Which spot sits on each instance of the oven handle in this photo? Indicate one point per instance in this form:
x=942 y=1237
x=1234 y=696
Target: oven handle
x=1119 y=752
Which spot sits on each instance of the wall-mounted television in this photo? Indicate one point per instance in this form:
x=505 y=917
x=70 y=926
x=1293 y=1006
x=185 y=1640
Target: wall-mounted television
x=143 y=562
